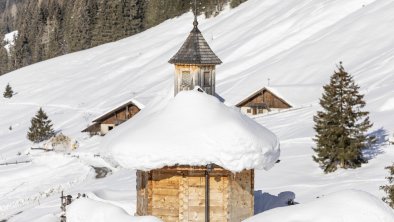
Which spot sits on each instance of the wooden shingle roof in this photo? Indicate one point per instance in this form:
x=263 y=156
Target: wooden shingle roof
x=195 y=50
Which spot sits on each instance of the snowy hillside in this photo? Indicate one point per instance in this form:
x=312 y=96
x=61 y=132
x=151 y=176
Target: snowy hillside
x=290 y=46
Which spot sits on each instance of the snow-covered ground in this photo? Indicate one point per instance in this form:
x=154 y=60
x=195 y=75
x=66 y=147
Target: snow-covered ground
x=291 y=45
x=347 y=205
x=81 y=211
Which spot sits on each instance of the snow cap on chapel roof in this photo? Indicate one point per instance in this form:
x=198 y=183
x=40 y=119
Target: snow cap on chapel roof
x=192 y=129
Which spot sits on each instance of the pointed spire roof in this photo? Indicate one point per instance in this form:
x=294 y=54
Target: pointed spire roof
x=195 y=50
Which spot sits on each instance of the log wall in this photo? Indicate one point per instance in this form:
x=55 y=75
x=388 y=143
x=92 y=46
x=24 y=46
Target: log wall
x=178 y=194
x=121 y=115
x=266 y=97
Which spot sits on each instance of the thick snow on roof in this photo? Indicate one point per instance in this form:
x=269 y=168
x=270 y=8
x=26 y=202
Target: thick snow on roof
x=344 y=206
x=192 y=129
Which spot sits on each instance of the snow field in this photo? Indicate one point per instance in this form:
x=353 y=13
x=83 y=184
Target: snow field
x=294 y=44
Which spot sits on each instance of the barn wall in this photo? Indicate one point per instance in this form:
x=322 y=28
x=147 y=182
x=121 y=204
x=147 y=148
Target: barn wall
x=178 y=194
x=241 y=196
x=266 y=97
x=165 y=195
x=121 y=115
x=142 y=192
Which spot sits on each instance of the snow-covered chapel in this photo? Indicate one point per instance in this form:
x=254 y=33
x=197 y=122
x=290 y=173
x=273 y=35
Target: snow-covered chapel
x=195 y=157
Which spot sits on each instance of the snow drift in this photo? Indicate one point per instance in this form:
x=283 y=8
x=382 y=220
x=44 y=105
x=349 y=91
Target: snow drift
x=87 y=210
x=193 y=129
x=344 y=206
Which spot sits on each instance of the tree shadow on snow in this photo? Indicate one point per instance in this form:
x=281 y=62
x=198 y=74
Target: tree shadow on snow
x=376 y=148
x=266 y=201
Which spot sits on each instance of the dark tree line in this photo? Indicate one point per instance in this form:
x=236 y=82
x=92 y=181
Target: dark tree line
x=51 y=28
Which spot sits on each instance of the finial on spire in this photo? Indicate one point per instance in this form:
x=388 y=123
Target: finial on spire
x=195 y=23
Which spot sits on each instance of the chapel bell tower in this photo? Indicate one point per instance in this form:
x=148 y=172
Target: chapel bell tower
x=195 y=64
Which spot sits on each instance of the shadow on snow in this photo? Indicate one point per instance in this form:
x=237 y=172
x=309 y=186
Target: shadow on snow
x=266 y=201
x=381 y=139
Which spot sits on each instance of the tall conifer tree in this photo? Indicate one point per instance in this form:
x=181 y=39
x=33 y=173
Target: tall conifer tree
x=342 y=125
x=41 y=127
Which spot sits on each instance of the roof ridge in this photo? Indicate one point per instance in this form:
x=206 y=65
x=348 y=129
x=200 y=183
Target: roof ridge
x=195 y=50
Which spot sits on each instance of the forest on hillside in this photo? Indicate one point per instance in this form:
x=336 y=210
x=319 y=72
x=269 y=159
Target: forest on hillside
x=50 y=28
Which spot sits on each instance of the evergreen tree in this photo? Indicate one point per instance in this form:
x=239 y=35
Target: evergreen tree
x=389 y=189
x=41 y=127
x=341 y=126
x=8 y=93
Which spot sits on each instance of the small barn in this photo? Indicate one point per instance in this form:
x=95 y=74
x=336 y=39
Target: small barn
x=262 y=101
x=195 y=159
x=116 y=116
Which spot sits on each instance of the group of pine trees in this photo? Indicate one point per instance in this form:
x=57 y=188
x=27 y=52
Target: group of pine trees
x=41 y=126
x=341 y=129
x=51 y=28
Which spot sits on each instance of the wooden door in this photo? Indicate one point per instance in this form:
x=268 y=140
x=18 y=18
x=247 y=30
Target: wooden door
x=192 y=199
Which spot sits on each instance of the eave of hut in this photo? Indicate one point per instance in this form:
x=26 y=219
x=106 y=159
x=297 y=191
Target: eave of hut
x=117 y=109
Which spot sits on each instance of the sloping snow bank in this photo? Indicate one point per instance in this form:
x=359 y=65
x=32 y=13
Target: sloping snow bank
x=344 y=206
x=87 y=210
x=192 y=129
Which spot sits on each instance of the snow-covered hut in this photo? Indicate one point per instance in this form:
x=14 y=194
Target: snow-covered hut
x=262 y=101
x=114 y=117
x=195 y=158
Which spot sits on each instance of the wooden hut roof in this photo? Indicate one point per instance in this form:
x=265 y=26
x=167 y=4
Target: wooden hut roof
x=244 y=101
x=118 y=108
x=195 y=50
x=92 y=128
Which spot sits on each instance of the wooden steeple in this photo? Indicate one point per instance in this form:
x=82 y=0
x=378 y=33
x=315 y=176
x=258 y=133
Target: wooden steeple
x=195 y=63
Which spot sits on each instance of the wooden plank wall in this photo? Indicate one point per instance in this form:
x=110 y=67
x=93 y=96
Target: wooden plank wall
x=142 y=193
x=266 y=97
x=122 y=115
x=165 y=196
x=241 y=196
x=179 y=196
